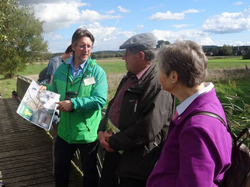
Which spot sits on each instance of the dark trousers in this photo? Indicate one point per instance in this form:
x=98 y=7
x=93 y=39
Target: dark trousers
x=109 y=177
x=64 y=153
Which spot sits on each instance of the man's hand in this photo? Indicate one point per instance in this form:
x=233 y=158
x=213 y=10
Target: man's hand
x=65 y=106
x=103 y=138
x=42 y=87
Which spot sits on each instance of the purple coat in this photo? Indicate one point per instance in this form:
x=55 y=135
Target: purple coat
x=195 y=153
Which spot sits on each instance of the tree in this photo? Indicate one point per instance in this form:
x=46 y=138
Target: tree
x=162 y=42
x=226 y=50
x=246 y=55
x=21 y=40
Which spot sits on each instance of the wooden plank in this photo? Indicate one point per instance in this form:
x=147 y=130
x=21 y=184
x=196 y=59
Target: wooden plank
x=26 y=151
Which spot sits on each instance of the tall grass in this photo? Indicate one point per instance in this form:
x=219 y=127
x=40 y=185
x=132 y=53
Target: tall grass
x=235 y=99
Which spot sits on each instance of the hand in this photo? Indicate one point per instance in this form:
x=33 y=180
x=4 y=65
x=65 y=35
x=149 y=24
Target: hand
x=65 y=106
x=42 y=87
x=103 y=138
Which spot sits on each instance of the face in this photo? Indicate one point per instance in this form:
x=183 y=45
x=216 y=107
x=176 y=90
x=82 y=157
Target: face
x=134 y=63
x=163 y=79
x=82 y=49
x=168 y=82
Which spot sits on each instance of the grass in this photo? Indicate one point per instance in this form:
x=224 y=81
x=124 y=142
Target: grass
x=113 y=67
x=236 y=93
x=33 y=69
x=235 y=98
x=7 y=86
x=228 y=63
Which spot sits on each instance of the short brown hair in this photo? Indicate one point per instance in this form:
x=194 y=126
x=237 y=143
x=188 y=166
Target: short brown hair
x=69 y=49
x=80 y=32
x=187 y=59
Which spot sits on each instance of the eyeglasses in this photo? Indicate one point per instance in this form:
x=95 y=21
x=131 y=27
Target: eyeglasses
x=88 y=47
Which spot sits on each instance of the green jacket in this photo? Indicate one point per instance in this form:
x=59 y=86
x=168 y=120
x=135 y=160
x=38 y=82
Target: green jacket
x=81 y=124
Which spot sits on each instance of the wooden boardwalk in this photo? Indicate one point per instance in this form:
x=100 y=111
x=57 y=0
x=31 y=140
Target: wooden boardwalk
x=26 y=151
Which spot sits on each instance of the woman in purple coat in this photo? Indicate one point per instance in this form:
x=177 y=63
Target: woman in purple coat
x=197 y=151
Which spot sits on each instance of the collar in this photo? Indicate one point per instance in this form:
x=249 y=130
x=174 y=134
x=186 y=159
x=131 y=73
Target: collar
x=71 y=62
x=183 y=106
x=141 y=73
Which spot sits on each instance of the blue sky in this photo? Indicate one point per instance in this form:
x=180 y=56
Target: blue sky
x=208 y=22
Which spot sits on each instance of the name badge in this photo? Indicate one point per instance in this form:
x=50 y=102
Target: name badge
x=89 y=81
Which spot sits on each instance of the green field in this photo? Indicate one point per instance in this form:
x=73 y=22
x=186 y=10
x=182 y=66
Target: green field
x=228 y=63
x=114 y=66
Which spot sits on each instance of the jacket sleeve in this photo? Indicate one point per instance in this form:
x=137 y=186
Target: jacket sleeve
x=98 y=96
x=50 y=87
x=151 y=121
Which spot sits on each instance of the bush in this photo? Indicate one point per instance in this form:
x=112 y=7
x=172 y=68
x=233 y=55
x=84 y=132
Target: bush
x=246 y=55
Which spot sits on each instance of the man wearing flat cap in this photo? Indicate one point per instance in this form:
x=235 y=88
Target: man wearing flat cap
x=137 y=118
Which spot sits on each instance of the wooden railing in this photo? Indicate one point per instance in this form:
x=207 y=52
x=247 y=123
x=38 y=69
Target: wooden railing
x=21 y=87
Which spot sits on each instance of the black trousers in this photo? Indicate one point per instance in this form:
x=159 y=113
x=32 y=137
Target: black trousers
x=109 y=177
x=64 y=153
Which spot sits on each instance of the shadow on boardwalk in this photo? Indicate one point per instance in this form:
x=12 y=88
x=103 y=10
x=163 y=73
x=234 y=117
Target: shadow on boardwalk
x=25 y=151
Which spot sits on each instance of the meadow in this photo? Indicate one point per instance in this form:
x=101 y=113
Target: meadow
x=234 y=94
x=227 y=63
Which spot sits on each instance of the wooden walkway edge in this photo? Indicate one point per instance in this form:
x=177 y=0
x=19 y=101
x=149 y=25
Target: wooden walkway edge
x=26 y=151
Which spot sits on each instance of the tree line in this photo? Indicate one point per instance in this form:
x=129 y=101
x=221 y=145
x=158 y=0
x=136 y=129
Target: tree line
x=225 y=50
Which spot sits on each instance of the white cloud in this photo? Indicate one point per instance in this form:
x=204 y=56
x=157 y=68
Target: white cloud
x=62 y=15
x=178 y=26
x=238 y=3
x=110 y=12
x=108 y=38
x=192 y=34
x=57 y=36
x=172 y=16
x=29 y=2
x=167 y=16
x=139 y=27
x=121 y=9
x=228 y=22
x=191 y=11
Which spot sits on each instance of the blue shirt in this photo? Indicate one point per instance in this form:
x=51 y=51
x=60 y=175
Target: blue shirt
x=78 y=71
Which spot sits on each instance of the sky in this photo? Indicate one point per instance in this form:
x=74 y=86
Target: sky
x=112 y=22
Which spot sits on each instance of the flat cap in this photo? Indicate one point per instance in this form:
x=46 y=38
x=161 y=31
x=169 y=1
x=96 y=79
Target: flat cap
x=142 y=41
